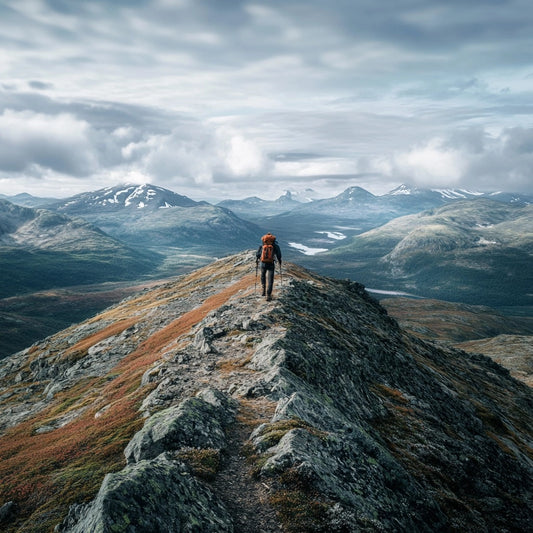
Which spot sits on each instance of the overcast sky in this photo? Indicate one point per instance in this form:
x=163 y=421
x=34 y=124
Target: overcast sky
x=233 y=98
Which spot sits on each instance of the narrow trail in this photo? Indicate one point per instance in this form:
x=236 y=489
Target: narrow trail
x=246 y=498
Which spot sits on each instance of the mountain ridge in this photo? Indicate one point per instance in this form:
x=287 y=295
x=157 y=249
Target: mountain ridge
x=348 y=422
x=147 y=216
x=42 y=249
x=474 y=251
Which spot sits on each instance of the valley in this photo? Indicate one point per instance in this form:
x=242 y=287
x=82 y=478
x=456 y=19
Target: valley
x=454 y=246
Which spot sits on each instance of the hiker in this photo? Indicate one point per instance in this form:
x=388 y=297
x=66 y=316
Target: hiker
x=267 y=253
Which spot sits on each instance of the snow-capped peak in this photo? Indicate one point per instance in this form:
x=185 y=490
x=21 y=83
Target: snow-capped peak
x=126 y=196
x=403 y=189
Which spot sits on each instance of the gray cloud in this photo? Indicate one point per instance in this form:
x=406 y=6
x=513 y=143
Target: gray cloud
x=39 y=85
x=221 y=94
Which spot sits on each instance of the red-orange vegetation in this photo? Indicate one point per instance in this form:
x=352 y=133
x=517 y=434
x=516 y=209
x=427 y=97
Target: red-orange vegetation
x=46 y=472
x=389 y=392
x=113 y=329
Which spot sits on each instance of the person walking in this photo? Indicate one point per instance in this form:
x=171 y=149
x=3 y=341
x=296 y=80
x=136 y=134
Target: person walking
x=266 y=254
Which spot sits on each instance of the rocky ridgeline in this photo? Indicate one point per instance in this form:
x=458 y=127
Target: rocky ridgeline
x=314 y=412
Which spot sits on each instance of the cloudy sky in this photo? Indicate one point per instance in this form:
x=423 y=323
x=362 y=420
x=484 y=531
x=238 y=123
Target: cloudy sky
x=232 y=98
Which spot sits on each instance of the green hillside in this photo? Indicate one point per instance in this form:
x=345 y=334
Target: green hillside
x=40 y=249
x=477 y=251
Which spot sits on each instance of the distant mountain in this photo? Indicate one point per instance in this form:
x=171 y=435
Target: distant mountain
x=435 y=197
x=476 y=251
x=304 y=195
x=323 y=224
x=358 y=204
x=126 y=197
x=153 y=217
x=40 y=249
x=445 y=194
x=253 y=208
x=27 y=200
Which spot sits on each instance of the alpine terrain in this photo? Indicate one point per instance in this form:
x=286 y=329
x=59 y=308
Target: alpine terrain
x=40 y=249
x=324 y=224
x=473 y=251
x=197 y=406
x=146 y=216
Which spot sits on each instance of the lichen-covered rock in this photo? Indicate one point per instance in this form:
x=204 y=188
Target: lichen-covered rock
x=159 y=495
x=196 y=422
x=396 y=433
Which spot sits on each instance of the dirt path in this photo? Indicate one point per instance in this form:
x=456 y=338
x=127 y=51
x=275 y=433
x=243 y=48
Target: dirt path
x=245 y=497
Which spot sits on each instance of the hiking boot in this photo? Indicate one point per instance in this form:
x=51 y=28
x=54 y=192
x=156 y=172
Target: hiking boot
x=263 y=293
x=269 y=298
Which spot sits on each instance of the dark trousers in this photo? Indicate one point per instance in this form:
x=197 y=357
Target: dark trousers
x=267 y=277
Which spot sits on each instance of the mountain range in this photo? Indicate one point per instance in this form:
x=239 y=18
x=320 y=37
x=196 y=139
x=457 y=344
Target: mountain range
x=197 y=406
x=146 y=216
x=41 y=249
x=323 y=224
x=27 y=200
x=254 y=207
x=476 y=251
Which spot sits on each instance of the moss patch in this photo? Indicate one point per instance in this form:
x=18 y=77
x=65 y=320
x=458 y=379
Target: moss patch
x=274 y=432
x=204 y=463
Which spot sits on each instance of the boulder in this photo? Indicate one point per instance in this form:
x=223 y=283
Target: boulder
x=196 y=422
x=156 y=495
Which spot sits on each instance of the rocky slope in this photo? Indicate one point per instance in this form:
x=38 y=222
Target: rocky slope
x=28 y=318
x=196 y=406
x=514 y=352
x=475 y=329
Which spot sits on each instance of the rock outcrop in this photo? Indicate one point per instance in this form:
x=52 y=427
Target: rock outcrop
x=159 y=495
x=197 y=406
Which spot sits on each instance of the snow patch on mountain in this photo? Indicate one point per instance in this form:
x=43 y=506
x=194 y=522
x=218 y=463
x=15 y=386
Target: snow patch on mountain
x=402 y=189
x=485 y=242
x=336 y=235
x=306 y=250
x=449 y=194
x=453 y=194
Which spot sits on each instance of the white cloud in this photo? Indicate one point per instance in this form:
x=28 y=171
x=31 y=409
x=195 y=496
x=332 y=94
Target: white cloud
x=207 y=93
x=198 y=153
x=58 y=142
x=472 y=159
x=431 y=164
x=242 y=157
x=316 y=167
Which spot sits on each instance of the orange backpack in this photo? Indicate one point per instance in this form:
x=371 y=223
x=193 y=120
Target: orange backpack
x=267 y=253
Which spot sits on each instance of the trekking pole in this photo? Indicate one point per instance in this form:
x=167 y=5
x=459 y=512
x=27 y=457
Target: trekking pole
x=281 y=278
x=255 y=286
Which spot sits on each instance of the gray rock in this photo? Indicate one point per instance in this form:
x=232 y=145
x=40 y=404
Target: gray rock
x=195 y=422
x=7 y=512
x=159 y=495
